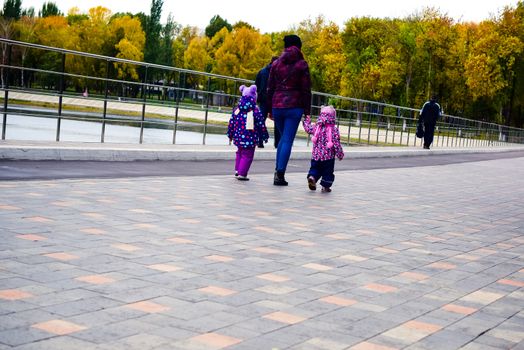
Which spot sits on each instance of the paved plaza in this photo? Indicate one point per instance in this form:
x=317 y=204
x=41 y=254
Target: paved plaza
x=408 y=258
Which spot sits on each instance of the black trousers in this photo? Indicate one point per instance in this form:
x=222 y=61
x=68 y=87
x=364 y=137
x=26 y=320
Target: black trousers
x=429 y=132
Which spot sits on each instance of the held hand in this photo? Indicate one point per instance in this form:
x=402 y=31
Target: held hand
x=270 y=116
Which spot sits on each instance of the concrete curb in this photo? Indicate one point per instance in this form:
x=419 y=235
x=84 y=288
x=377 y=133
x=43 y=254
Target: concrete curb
x=12 y=150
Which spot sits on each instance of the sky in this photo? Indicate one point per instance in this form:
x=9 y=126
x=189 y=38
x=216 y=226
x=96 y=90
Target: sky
x=279 y=15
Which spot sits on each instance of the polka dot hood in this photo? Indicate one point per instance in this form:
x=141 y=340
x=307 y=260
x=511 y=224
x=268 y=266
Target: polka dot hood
x=246 y=126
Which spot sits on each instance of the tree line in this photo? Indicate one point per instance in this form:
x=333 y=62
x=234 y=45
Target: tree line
x=475 y=69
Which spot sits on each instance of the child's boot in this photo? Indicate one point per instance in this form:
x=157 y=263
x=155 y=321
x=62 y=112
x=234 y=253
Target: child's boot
x=311 y=183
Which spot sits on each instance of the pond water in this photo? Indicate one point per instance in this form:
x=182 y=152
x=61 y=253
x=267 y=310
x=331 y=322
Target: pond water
x=44 y=129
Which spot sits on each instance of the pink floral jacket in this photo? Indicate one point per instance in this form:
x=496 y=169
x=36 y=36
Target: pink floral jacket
x=326 y=137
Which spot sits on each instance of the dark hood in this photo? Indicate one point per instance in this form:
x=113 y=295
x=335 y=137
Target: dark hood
x=291 y=55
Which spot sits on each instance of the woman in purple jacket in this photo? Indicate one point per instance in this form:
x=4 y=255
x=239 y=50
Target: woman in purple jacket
x=288 y=99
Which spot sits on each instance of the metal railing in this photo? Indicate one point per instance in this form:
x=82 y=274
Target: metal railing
x=57 y=84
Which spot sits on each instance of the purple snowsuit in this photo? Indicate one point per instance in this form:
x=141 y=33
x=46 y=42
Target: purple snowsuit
x=245 y=139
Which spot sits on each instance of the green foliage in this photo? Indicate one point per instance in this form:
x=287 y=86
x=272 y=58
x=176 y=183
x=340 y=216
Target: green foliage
x=153 y=29
x=12 y=9
x=168 y=34
x=242 y=24
x=29 y=12
x=215 y=25
x=49 y=9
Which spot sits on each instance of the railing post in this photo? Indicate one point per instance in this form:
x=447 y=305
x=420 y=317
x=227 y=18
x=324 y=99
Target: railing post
x=60 y=98
x=388 y=124
x=416 y=123
x=349 y=129
x=181 y=82
x=447 y=133
x=359 y=120
x=369 y=126
x=207 y=110
x=378 y=125
x=104 y=114
x=437 y=129
x=409 y=135
x=144 y=99
x=6 y=91
x=395 y=123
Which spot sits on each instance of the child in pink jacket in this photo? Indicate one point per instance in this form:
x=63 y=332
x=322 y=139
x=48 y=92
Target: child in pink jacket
x=326 y=146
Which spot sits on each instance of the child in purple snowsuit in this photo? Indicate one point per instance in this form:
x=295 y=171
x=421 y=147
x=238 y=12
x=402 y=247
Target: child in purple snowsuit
x=247 y=130
x=326 y=146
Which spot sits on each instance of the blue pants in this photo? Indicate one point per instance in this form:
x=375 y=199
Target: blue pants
x=286 y=121
x=323 y=169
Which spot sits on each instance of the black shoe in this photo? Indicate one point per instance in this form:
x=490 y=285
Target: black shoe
x=242 y=178
x=261 y=145
x=426 y=147
x=279 y=179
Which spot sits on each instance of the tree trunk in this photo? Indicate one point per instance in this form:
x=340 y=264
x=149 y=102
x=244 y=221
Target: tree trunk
x=428 y=92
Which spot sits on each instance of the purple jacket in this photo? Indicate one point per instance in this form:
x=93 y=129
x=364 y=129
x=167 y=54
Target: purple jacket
x=237 y=131
x=289 y=84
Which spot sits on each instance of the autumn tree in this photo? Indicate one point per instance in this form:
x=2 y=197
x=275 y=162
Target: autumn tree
x=242 y=24
x=197 y=58
x=322 y=48
x=242 y=54
x=26 y=33
x=129 y=40
x=11 y=12
x=510 y=26
x=91 y=35
x=181 y=43
x=488 y=69
x=367 y=44
x=74 y=16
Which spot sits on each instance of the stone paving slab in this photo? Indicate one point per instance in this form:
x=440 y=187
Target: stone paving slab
x=408 y=258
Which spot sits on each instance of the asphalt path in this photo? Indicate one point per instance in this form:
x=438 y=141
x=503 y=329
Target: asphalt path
x=47 y=170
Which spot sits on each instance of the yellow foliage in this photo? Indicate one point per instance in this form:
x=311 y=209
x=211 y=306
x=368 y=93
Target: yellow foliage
x=243 y=53
x=129 y=44
x=53 y=31
x=483 y=76
x=196 y=56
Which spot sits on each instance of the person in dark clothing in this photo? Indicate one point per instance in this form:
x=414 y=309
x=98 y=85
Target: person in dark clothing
x=429 y=114
x=261 y=83
x=289 y=98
